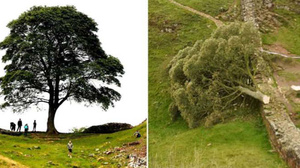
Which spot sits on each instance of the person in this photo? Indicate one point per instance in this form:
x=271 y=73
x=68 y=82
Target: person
x=34 y=126
x=19 y=125
x=12 y=126
x=26 y=129
x=137 y=134
x=70 y=147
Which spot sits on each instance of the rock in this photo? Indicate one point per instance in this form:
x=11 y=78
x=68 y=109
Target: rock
x=91 y=155
x=117 y=149
x=100 y=159
x=108 y=128
x=108 y=152
x=36 y=147
x=137 y=162
x=118 y=156
x=51 y=163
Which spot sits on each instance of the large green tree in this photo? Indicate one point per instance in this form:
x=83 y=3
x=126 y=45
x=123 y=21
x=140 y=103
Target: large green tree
x=53 y=55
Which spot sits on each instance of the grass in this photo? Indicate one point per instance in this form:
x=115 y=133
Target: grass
x=87 y=152
x=212 y=8
x=288 y=76
x=288 y=35
x=239 y=143
x=234 y=144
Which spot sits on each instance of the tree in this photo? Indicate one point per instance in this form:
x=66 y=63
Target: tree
x=53 y=55
x=213 y=74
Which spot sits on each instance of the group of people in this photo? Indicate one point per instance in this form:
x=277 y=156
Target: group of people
x=137 y=134
x=20 y=124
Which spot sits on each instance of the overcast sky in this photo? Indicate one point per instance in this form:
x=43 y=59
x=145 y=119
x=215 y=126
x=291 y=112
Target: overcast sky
x=122 y=31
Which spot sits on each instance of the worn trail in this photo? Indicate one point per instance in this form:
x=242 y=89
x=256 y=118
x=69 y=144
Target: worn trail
x=216 y=21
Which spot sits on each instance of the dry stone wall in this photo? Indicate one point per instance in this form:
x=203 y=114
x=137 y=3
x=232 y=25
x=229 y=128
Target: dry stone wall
x=283 y=134
x=248 y=10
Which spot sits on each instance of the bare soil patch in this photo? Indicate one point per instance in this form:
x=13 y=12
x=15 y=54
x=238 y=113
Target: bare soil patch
x=286 y=77
x=278 y=48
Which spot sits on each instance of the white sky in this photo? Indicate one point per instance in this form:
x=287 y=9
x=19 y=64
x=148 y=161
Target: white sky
x=123 y=33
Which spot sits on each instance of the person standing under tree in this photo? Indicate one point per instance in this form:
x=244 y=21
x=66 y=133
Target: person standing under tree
x=26 y=129
x=70 y=147
x=12 y=126
x=19 y=125
x=34 y=126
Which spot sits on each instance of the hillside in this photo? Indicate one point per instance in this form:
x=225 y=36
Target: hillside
x=90 y=150
x=241 y=141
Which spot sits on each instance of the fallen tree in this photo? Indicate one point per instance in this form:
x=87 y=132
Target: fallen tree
x=213 y=75
x=257 y=95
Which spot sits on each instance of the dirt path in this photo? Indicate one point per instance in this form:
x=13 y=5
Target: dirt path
x=6 y=162
x=217 y=22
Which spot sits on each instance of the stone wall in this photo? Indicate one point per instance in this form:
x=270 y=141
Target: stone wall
x=248 y=11
x=283 y=134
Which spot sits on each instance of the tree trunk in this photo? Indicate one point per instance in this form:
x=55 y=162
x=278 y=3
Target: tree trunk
x=50 y=124
x=257 y=95
x=296 y=88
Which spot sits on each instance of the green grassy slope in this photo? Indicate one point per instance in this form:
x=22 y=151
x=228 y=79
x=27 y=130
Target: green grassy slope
x=213 y=8
x=87 y=152
x=239 y=143
x=289 y=34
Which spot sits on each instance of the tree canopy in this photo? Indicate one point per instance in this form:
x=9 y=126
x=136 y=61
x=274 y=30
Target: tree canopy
x=206 y=77
x=52 y=55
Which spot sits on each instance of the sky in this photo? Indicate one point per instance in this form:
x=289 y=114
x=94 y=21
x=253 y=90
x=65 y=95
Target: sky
x=123 y=33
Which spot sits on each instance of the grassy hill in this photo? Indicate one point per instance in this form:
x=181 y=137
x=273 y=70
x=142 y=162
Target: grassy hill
x=288 y=35
x=90 y=150
x=241 y=142
x=286 y=39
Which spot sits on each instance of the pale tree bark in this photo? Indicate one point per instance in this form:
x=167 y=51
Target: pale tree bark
x=257 y=95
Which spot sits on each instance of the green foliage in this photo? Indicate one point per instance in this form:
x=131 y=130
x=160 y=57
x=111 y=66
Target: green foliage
x=55 y=50
x=54 y=55
x=78 y=130
x=175 y=113
x=205 y=77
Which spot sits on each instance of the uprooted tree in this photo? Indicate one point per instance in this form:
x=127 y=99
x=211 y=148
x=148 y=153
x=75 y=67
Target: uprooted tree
x=213 y=74
x=53 y=55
